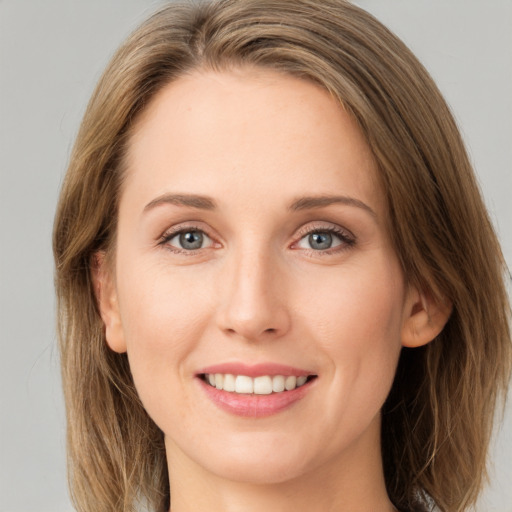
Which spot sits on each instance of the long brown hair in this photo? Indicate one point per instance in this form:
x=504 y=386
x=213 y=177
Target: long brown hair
x=438 y=418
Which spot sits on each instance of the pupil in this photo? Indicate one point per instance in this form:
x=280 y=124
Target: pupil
x=320 y=240
x=191 y=240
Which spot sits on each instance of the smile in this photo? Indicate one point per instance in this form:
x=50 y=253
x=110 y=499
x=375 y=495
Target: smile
x=261 y=385
x=257 y=390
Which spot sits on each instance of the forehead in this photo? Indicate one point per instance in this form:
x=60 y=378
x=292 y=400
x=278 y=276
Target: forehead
x=249 y=128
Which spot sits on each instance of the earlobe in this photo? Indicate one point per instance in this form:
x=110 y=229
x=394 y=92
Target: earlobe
x=106 y=298
x=424 y=318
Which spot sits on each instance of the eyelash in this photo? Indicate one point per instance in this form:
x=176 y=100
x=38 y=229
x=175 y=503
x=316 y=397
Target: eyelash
x=347 y=239
x=169 y=235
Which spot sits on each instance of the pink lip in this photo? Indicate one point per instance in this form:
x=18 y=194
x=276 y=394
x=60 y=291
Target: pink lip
x=255 y=370
x=255 y=406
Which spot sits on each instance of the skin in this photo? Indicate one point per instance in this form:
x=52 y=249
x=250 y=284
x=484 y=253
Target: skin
x=255 y=142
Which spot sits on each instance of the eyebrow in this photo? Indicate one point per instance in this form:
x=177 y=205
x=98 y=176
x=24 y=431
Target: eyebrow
x=192 y=201
x=303 y=203
x=307 y=203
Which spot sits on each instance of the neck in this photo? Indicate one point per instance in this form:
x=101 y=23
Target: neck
x=353 y=482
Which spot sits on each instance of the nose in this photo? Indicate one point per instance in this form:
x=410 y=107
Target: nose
x=253 y=299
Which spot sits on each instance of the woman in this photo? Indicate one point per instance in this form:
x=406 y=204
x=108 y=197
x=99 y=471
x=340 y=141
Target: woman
x=279 y=288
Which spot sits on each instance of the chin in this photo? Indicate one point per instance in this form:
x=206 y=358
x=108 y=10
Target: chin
x=263 y=472
x=260 y=458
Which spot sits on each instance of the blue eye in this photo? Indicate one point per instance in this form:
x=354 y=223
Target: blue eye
x=189 y=240
x=320 y=241
x=323 y=240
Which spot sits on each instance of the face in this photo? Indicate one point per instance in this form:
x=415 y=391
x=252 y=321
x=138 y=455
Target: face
x=253 y=255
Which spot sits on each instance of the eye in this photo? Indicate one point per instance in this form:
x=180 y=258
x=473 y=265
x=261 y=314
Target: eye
x=325 y=239
x=188 y=239
x=319 y=241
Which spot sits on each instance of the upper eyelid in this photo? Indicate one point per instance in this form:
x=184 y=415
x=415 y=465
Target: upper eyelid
x=183 y=227
x=324 y=226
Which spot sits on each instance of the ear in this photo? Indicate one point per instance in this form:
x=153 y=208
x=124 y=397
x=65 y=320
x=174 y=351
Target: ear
x=106 y=297
x=424 y=318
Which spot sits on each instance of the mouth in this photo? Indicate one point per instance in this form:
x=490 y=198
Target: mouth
x=260 y=385
x=255 y=391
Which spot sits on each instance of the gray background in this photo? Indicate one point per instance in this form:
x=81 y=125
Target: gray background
x=51 y=54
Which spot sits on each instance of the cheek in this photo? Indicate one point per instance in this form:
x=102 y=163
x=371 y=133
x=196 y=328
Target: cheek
x=358 y=328
x=162 y=309
x=361 y=304
x=162 y=325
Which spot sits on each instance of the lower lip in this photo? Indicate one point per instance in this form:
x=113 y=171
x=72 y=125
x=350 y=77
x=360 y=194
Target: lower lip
x=255 y=406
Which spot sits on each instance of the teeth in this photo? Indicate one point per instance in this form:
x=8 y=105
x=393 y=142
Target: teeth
x=290 y=383
x=263 y=385
x=243 y=384
x=229 y=382
x=301 y=380
x=278 y=383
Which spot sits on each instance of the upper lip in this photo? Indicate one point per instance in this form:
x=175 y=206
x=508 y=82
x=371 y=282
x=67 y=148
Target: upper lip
x=255 y=370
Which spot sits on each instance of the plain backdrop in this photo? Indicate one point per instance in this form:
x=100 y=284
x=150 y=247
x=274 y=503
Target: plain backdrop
x=51 y=54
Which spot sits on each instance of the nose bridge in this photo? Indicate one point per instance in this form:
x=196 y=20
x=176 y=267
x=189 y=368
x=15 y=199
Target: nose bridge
x=253 y=301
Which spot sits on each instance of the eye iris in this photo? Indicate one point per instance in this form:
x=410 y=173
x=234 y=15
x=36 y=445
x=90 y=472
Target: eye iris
x=191 y=240
x=320 y=240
